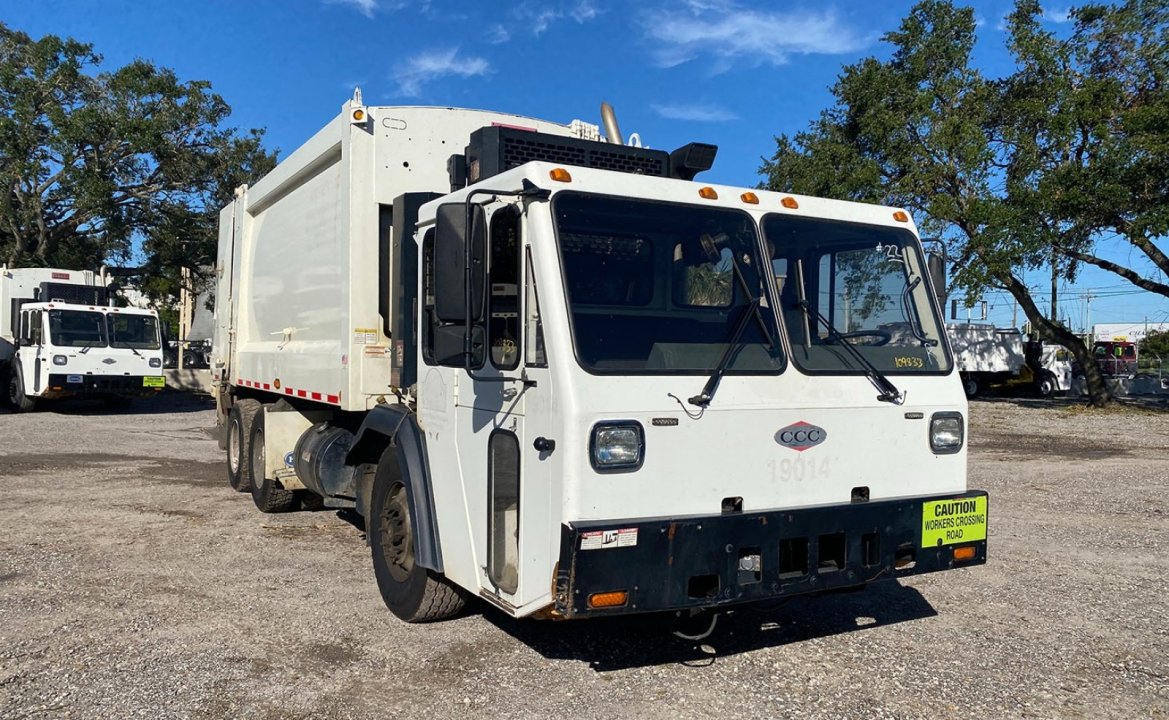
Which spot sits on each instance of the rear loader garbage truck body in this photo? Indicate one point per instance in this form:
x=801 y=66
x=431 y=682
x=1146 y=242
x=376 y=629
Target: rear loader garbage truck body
x=59 y=337
x=562 y=376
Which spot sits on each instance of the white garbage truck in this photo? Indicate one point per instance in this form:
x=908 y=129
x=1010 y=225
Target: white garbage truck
x=60 y=337
x=555 y=372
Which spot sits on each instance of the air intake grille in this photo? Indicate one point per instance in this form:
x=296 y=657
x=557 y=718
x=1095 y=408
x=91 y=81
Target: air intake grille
x=497 y=149
x=78 y=294
x=517 y=151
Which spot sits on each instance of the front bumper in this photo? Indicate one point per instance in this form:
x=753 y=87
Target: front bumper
x=68 y=385
x=719 y=560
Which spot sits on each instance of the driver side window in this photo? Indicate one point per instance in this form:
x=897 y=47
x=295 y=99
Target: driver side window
x=32 y=328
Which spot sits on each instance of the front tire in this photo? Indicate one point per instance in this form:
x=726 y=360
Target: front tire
x=1047 y=385
x=16 y=397
x=412 y=592
x=238 y=430
x=268 y=494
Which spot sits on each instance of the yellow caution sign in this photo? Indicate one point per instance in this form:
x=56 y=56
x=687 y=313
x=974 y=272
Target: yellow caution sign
x=154 y=381
x=949 y=522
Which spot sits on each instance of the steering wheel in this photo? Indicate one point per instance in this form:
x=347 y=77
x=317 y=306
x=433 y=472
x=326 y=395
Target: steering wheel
x=883 y=337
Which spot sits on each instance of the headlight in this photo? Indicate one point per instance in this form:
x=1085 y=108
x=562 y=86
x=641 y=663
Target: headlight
x=60 y=360
x=155 y=362
x=617 y=446
x=946 y=432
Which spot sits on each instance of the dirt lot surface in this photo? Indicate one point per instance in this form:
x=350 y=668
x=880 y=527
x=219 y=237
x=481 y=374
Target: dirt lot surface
x=134 y=583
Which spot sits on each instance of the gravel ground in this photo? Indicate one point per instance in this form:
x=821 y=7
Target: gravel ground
x=134 y=583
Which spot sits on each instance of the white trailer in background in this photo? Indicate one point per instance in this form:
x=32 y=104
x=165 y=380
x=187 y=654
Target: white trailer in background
x=59 y=337
x=559 y=375
x=985 y=354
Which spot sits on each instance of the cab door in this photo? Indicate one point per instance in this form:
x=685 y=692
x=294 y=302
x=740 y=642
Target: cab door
x=503 y=419
x=31 y=352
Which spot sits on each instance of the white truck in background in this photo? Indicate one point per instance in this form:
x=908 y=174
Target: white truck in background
x=557 y=374
x=989 y=356
x=60 y=337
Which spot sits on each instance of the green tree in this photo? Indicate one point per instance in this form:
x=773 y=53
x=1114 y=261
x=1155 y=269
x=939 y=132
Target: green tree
x=1090 y=116
x=1155 y=343
x=970 y=155
x=93 y=163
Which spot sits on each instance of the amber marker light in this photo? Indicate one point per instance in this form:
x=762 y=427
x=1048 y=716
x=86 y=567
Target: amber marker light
x=276 y=383
x=560 y=175
x=708 y=193
x=901 y=216
x=358 y=115
x=616 y=598
x=790 y=203
x=964 y=553
x=750 y=197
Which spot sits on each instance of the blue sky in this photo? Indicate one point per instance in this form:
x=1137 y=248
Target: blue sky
x=721 y=71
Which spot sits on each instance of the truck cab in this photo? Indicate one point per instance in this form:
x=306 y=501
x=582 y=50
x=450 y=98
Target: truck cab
x=682 y=396
x=65 y=350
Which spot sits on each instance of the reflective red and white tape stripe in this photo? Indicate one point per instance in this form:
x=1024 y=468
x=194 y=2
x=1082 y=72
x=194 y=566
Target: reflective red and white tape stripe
x=292 y=392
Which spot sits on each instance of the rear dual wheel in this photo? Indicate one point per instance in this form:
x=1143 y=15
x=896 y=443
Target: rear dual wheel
x=267 y=493
x=238 y=430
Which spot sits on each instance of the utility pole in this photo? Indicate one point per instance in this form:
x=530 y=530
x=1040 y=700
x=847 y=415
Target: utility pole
x=1088 y=322
x=1054 y=286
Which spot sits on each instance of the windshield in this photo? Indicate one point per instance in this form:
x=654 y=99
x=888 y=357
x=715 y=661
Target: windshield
x=867 y=281
x=139 y=332
x=652 y=288
x=77 y=328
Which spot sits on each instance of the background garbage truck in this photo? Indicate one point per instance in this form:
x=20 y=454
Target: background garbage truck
x=60 y=337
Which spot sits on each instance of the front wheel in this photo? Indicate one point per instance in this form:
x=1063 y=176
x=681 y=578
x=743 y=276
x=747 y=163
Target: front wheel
x=412 y=592
x=19 y=401
x=1047 y=384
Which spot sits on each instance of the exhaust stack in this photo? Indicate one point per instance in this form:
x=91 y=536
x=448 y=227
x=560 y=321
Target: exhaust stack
x=609 y=120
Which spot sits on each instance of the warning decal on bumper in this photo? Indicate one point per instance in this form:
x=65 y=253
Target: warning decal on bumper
x=606 y=539
x=949 y=522
x=154 y=381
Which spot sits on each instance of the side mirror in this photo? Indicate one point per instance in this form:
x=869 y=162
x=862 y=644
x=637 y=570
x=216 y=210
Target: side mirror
x=936 y=265
x=450 y=238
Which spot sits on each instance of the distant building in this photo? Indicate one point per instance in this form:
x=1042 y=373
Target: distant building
x=1127 y=332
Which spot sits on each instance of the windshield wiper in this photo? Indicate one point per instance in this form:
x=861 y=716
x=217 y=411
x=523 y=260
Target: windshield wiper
x=703 y=398
x=751 y=309
x=888 y=392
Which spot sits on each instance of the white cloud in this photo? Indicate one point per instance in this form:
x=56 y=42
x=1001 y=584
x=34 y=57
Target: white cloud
x=583 y=11
x=497 y=34
x=1057 y=16
x=694 y=113
x=365 y=7
x=434 y=64
x=540 y=16
x=731 y=34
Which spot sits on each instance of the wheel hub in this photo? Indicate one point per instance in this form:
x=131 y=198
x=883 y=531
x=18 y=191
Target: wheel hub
x=395 y=534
